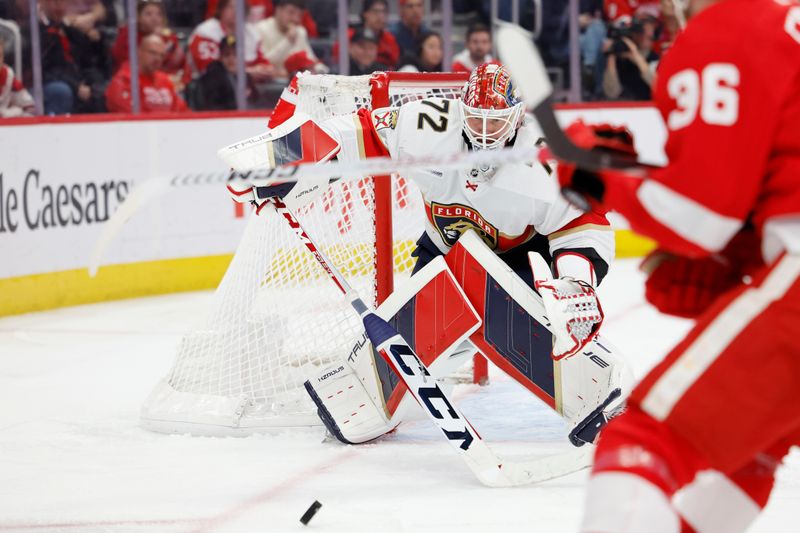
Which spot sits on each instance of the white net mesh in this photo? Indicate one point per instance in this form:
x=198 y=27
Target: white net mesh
x=276 y=317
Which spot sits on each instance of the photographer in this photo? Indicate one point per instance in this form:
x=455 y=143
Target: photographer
x=630 y=61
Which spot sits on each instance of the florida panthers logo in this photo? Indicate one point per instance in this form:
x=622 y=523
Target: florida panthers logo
x=385 y=120
x=451 y=220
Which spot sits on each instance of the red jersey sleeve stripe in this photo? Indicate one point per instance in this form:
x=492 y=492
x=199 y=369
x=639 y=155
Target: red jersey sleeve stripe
x=689 y=219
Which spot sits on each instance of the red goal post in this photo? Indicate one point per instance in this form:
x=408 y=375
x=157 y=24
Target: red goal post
x=385 y=89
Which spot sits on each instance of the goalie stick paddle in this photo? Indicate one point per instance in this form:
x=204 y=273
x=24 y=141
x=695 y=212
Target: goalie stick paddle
x=487 y=467
x=519 y=54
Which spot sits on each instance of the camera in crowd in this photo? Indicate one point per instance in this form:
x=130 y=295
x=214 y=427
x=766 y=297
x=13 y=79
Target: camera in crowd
x=616 y=34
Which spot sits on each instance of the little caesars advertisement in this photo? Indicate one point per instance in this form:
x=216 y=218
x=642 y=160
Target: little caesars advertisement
x=60 y=183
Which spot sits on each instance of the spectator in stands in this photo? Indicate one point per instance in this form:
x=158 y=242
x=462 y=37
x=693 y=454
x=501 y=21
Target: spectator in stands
x=16 y=10
x=86 y=16
x=364 y=53
x=15 y=100
x=631 y=61
x=72 y=79
x=156 y=90
x=410 y=27
x=151 y=18
x=283 y=35
x=215 y=89
x=204 y=45
x=373 y=17
x=592 y=30
x=478 y=49
x=427 y=57
x=624 y=11
x=262 y=9
x=301 y=61
x=592 y=36
x=257 y=9
x=670 y=27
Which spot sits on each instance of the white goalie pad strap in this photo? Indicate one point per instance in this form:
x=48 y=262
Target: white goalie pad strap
x=572 y=307
x=360 y=393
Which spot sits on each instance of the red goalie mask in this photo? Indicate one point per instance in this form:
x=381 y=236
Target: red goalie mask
x=492 y=107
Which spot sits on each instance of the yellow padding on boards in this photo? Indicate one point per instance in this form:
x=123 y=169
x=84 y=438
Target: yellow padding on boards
x=630 y=244
x=74 y=287
x=114 y=282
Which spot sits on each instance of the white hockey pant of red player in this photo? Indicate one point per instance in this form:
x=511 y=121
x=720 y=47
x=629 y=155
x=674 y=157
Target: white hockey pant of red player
x=698 y=447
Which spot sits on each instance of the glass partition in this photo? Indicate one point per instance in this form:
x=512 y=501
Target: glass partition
x=153 y=56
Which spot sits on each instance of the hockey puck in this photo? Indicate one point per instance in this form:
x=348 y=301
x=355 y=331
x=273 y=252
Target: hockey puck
x=309 y=514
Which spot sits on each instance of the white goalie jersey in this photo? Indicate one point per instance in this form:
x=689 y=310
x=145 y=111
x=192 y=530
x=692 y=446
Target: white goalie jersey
x=506 y=205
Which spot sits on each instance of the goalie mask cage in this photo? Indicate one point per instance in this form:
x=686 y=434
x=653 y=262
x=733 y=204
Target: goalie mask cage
x=276 y=318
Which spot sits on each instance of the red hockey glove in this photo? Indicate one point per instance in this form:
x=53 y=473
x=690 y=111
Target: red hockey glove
x=583 y=188
x=686 y=287
x=683 y=286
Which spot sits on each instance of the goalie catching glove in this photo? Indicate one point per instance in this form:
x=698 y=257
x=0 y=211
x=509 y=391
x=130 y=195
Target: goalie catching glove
x=572 y=307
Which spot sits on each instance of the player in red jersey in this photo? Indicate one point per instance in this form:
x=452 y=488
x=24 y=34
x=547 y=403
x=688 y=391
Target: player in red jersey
x=706 y=429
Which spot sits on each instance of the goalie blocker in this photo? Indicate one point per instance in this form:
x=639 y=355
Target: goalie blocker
x=297 y=141
x=470 y=301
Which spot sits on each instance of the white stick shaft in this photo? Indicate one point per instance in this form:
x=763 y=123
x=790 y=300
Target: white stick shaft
x=373 y=166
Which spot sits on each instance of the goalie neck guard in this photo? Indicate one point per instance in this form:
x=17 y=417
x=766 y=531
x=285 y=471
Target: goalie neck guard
x=492 y=107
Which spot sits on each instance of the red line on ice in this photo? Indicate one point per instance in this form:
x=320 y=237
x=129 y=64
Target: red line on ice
x=203 y=524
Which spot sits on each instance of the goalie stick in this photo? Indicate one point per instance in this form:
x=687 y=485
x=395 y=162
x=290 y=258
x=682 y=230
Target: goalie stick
x=487 y=467
x=304 y=182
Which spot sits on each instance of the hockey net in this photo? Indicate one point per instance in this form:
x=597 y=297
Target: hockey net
x=276 y=318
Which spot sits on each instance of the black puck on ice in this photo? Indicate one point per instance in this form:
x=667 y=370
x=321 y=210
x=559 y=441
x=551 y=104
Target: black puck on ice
x=309 y=514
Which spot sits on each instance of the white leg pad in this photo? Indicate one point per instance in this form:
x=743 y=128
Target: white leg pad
x=356 y=398
x=712 y=503
x=587 y=379
x=359 y=415
x=618 y=502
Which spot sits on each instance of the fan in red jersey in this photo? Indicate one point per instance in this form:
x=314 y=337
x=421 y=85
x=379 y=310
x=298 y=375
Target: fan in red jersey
x=157 y=92
x=15 y=100
x=204 y=41
x=706 y=429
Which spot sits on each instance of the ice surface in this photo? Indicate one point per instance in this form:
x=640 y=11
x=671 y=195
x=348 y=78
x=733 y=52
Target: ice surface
x=73 y=459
